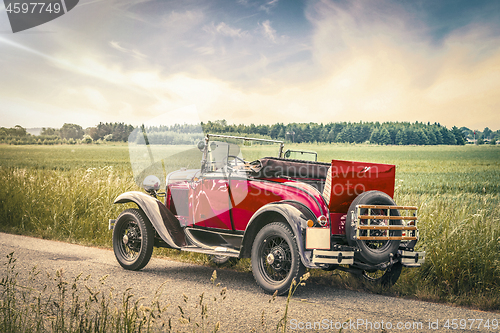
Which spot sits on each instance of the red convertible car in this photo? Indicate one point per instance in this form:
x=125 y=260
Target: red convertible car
x=287 y=213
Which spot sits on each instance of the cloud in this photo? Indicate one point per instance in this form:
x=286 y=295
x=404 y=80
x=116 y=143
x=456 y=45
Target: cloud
x=268 y=31
x=224 y=30
x=183 y=21
x=206 y=50
x=136 y=54
x=268 y=6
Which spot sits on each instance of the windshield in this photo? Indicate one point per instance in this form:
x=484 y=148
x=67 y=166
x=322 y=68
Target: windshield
x=247 y=148
x=162 y=145
x=220 y=153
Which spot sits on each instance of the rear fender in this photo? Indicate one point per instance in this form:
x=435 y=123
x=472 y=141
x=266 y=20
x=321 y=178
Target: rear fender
x=165 y=223
x=293 y=213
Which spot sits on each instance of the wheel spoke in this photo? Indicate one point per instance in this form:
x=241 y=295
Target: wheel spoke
x=131 y=247
x=276 y=258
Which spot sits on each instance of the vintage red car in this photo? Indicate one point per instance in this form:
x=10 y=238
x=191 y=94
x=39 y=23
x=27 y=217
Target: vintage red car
x=287 y=213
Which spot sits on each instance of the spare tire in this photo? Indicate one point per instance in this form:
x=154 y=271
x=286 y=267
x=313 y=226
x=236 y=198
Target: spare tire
x=373 y=251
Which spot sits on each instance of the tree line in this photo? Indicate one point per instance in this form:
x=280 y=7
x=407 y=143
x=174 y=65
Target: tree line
x=386 y=133
x=68 y=134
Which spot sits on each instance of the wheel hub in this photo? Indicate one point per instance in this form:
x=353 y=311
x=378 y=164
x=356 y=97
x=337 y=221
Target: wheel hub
x=275 y=258
x=270 y=258
x=125 y=239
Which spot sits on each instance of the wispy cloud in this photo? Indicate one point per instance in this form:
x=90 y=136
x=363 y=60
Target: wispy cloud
x=224 y=30
x=268 y=31
x=268 y=5
x=133 y=52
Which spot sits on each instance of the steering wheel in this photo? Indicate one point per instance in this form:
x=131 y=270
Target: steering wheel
x=236 y=159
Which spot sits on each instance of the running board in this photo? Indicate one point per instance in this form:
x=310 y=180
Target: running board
x=224 y=251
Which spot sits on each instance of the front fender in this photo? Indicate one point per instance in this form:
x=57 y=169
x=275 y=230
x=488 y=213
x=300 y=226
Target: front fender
x=291 y=212
x=164 y=222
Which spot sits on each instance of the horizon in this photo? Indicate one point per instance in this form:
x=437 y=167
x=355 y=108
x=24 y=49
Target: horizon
x=261 y=62
x=39 y=128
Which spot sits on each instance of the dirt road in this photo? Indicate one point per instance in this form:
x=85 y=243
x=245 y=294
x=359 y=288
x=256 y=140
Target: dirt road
x=312 y=306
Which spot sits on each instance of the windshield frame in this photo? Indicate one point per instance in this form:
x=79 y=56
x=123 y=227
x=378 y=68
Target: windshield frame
x=204 y=161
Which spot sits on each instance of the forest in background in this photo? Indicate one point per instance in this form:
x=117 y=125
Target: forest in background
x=386 y=133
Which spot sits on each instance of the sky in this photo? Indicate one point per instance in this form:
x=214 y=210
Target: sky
x=261 y=62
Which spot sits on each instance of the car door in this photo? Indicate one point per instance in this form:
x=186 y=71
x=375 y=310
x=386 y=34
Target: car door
x=211 y=202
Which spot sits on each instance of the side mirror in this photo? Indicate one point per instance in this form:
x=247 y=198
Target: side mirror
x=151 y=183
x=201 y=145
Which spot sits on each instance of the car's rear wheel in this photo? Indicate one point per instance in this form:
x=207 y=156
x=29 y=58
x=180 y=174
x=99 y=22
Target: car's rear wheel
x=275 y=258
x=133 y=239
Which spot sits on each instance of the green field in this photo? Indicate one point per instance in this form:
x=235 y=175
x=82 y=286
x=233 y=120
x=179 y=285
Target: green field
x=66 y=193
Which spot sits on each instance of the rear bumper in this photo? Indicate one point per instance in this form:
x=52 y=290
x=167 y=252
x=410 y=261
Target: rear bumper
x=411 y=259
x=407 y=258
x=333 y=257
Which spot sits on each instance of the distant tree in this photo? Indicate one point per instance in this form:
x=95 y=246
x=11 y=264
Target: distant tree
x=87 y=139
x=401 y=138
x=421 y=137
x=448 y=137
x=410 y=136
x=431 y=136
x=385 y=137
x=49 y=131
x=274 y=131
x=16 y=131
x=71 y=131
x=487 y=133
x=307 y=134
x=92 y=132
x=323 y=136
x=459 y=135
x=315 y=132
x=346 y=135
x=438 y=135
x=375 y=136
x=282 y=133
x=331 y=136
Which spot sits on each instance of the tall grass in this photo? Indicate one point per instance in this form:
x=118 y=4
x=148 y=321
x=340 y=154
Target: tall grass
x=461 y=236
x=65 y=205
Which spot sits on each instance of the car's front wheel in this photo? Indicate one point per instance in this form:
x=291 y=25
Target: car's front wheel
x=133 y=239
x=275 y=258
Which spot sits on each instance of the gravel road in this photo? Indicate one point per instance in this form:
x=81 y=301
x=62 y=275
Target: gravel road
x=241 y=311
